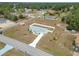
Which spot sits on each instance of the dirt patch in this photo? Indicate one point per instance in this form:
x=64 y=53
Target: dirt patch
x=1 y=45
x=21 y=33
x=57 y=43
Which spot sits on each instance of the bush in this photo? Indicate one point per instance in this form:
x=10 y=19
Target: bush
x=74 y=44
x=54 y=38
x=21 y=16
x=11 y=17
x=69 y=27
x=1 y=12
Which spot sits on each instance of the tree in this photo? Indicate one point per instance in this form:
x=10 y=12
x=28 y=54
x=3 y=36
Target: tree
x=72 y=19
x=20 y=7
x=11 y=17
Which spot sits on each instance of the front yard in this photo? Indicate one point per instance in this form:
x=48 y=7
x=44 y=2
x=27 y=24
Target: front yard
x=20 y=33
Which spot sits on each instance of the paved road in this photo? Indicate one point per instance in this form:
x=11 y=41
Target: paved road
x=5 y=49
x=23 y=47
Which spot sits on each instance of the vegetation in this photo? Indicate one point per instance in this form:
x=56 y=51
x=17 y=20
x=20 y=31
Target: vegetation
x=74 y=44
x=11 y=17
x=56 y=6
x=1 y=45
x=20 y=6
x=21 y=16
x=5 y=8
x=72 y=19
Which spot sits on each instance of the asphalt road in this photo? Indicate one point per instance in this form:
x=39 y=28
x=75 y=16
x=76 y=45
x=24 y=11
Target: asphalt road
x=23 y=47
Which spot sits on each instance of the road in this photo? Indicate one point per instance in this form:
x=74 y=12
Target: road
x=5 y=49
x=23 y=47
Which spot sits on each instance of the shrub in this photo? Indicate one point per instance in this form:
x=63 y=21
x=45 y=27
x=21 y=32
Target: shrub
x=1 y=12
x=74 y=44
x=11 y=17
x=21 y=16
